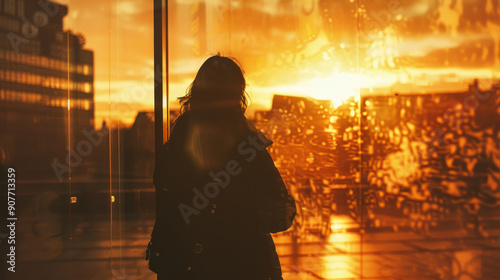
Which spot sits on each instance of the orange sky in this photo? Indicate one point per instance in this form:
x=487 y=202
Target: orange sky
x=123 y=54
x=289 y=48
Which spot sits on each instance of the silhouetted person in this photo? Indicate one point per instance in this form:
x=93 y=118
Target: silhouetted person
x=219 y=194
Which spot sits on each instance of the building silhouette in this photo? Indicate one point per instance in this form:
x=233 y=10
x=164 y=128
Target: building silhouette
x=46 y=89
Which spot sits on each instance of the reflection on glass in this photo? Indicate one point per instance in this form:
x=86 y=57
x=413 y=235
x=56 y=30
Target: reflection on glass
x=394 y=146
x=384 y=117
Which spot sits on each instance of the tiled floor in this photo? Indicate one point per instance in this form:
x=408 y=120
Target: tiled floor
x=91 y=254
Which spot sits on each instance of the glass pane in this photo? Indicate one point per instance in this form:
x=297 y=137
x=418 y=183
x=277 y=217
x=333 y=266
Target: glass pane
x=303 y=78
x=76 y=107
x=429 y=140
x=384 y=117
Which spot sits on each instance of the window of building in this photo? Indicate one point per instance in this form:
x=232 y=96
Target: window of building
x=86 y=104
x=86 y=88
x=45 y=62
x=86 y=69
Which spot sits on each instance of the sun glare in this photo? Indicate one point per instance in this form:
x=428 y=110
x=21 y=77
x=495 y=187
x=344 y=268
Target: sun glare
x=336 y=87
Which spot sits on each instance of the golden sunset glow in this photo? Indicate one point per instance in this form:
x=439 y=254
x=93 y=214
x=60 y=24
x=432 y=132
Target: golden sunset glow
x=320 y=54
x=378 y=119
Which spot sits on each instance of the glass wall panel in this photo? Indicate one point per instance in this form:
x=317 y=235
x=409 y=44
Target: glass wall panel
x=384 y=117
x=429 y=139
x=76 y=140
x=302 y=67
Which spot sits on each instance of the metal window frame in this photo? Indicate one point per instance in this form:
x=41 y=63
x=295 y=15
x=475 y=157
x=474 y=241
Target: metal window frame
x=161 y=77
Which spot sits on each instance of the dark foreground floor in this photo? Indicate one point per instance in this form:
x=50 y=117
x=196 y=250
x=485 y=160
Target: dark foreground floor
x=96 y=252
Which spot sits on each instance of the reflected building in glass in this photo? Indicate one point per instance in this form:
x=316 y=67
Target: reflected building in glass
x=46 y=89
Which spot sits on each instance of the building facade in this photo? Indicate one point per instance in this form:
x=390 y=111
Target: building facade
x=46 y=89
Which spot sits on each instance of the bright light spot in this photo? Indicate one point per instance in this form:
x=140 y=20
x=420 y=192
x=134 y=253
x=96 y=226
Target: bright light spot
x=336 y=87
x=336 y=227
x=127 y=8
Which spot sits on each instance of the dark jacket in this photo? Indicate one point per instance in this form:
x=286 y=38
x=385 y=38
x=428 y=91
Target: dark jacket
x=219 y=196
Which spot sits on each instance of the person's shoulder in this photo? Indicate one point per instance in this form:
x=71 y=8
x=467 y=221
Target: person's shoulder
x=254 y=131
x=182 y=119
x=178 y=130
x=181 y=122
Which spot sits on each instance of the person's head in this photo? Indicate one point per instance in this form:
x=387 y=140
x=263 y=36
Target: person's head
x=219 y=85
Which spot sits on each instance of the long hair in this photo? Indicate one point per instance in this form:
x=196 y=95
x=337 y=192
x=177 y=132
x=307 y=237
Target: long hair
x=219 y=85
